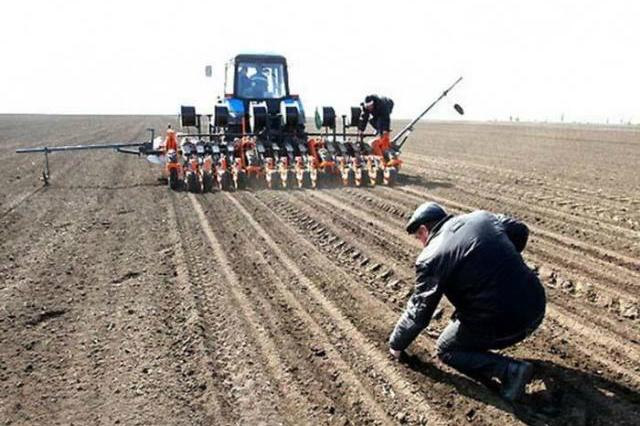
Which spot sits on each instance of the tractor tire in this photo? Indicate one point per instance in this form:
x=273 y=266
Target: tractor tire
x=174 y=181
x=207 y=182
x=192 y=183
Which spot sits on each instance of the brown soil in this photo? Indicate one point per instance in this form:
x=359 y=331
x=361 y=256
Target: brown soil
x=126 y=303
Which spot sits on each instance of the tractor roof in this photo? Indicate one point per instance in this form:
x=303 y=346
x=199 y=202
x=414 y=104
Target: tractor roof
x=260 y=57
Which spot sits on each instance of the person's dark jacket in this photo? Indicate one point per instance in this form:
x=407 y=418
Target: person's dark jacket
x=474 y=259
x=380 y=117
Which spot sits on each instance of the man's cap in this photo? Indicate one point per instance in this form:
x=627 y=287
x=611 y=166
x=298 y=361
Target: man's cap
x=369 y=101
x=428 y=212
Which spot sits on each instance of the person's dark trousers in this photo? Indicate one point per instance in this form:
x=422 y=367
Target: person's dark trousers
x=468 y=351
x=382 y=124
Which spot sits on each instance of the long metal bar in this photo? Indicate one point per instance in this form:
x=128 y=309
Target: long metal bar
x=202 y=135
x=119 y=146
x=343 y=134
x=409 y=128
x=47 y=149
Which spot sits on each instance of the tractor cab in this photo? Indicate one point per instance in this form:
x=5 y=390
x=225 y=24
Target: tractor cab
x=257 y=77
x=257 y=93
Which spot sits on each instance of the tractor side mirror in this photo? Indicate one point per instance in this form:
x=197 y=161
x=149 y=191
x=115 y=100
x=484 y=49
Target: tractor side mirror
x=459 y=109
x=208 y=71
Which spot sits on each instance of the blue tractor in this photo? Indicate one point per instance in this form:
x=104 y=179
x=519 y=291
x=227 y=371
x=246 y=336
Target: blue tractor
x=258 y=132
x=257 y=136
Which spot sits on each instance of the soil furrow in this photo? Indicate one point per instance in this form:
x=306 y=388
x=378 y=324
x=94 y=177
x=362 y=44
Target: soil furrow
x=314 y=356
x=361 y=344
x=198 y=356
x=569 y=223
x=570 y=199
x=248 y=408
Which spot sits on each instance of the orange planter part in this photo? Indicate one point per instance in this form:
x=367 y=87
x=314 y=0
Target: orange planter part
x=270 y=164
x=171 y=141
x=381 y=144
x=314 y=144
x=241 y=147
x=206 y=164
x=254 y=170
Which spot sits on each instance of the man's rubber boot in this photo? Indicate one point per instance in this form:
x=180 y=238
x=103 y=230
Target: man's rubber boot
x=519 y=373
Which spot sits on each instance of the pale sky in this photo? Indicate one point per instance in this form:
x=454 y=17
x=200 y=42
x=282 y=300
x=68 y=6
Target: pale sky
x=533 y=59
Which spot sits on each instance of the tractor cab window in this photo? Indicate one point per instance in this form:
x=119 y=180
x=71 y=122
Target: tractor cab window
x=261 y=80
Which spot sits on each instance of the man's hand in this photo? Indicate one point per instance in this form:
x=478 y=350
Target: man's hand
x=394 y=353
x=404 y=358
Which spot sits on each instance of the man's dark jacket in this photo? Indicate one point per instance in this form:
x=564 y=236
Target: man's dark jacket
x=380 y=116
x=474 y=259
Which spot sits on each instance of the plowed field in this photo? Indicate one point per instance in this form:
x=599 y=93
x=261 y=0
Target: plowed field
x=122 y=302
